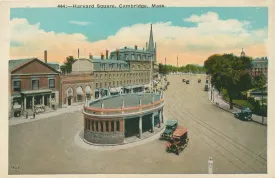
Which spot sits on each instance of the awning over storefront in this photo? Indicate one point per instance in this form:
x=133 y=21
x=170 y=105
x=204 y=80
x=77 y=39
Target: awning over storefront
x=115 y=90
x=133 y=86
x=147 y=86
x=32 y=92
x=88 y=90
x=79 y=91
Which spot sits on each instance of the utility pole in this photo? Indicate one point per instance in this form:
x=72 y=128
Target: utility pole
x=78 y=59
x=177 y=64
x=165 y=67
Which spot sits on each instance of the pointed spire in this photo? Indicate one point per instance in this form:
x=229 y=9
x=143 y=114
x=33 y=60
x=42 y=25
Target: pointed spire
x=151 y=41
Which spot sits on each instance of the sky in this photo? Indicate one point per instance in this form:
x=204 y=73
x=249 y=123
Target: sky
x=192 y=34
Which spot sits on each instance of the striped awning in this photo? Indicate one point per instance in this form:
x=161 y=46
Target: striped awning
x=79 y=91
x=115 y=90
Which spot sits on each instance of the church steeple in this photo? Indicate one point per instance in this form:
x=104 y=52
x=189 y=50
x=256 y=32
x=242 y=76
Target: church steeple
x=151 y=41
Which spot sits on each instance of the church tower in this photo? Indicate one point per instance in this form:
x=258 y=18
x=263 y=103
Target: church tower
x=151 y=41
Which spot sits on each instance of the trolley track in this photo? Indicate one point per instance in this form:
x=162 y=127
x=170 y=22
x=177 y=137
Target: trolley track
x=214 y=133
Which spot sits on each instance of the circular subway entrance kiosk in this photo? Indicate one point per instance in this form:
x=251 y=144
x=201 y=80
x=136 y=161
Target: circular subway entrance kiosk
x=112 y=120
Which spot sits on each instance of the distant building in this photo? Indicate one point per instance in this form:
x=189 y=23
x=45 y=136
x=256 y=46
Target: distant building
x=34 y=86
x=259 y=66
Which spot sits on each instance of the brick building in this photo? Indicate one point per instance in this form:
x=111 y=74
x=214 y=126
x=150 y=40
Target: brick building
x=75 y=88
x=34 y=86
x=259 y=66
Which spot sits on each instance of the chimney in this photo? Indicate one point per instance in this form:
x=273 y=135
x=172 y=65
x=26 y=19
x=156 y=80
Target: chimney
x=102 y=56
x=135 y=47
x=125 y=47
x=45 y=56
x=107 y=54
x=90 y=56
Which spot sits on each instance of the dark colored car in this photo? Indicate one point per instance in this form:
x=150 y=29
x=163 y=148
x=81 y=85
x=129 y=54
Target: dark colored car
x=183 y=80
x=187 y=82
x=206 y=88
x=179 y=141
x=244 y=114
x=171 y=126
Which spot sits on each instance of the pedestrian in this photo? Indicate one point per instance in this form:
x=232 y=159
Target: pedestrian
x=34 y=115
x=27 y=115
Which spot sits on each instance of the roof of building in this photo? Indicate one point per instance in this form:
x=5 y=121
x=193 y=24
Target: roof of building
x=129 y=100
x=109 y=61
x=13 y=63
x=53 y=65
x=16 y=63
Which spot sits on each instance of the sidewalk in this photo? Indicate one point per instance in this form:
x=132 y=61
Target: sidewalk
x=59 y=111
x=219 y=102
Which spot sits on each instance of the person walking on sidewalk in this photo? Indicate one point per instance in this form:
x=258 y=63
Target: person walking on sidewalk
x=34 y=115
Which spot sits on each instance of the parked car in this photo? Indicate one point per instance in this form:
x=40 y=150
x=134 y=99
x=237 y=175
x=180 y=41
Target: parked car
x=178 y=142
x=206 y=88
x=244 y=114
x=199 y=81
x=170 y=127
x=183 y=80
x=187 y=82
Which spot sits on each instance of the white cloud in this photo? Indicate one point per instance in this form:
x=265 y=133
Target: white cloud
x=192 y=44
x=83 y=23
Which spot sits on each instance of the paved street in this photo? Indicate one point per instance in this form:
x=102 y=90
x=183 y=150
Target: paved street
x=48 y=146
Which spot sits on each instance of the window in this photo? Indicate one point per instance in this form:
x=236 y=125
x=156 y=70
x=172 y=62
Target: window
x=100 y=85
x=138 y=57
x=133 y=57
x=113 y=83
x=105 y=75
x=109 y=75
x=35 y=84
x=51 y=83
x=105 y=84
x=96 y=75
x=117 y=83
x=110 y=84
x=96 y=85
x=16 y=85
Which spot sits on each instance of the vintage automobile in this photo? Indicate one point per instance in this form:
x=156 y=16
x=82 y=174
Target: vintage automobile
x=178 y=142
x=206 y=88
x=199 y=81
x=244 y=114
x=171 y=126
x=187 y=82
x=183 y=80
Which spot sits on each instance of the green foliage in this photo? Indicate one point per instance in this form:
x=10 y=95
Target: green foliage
x=165 y=69
x=229 y=72
x=67 y=65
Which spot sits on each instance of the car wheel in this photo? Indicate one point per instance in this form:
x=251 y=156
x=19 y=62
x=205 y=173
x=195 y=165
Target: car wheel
x=177 y=152
x=167 y=150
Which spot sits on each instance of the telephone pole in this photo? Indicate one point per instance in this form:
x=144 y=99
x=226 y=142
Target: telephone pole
x=177 y=64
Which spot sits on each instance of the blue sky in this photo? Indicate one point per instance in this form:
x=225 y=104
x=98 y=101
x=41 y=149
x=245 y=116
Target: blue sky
x=105 y=22
x=193 y=34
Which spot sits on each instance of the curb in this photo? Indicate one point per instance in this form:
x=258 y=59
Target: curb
x=232 y=112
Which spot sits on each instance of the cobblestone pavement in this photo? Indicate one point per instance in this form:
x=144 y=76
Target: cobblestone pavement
x=48 y=145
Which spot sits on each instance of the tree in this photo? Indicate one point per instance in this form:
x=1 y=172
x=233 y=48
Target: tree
x=260 y=83
x=67 y=65
x=229 y=72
